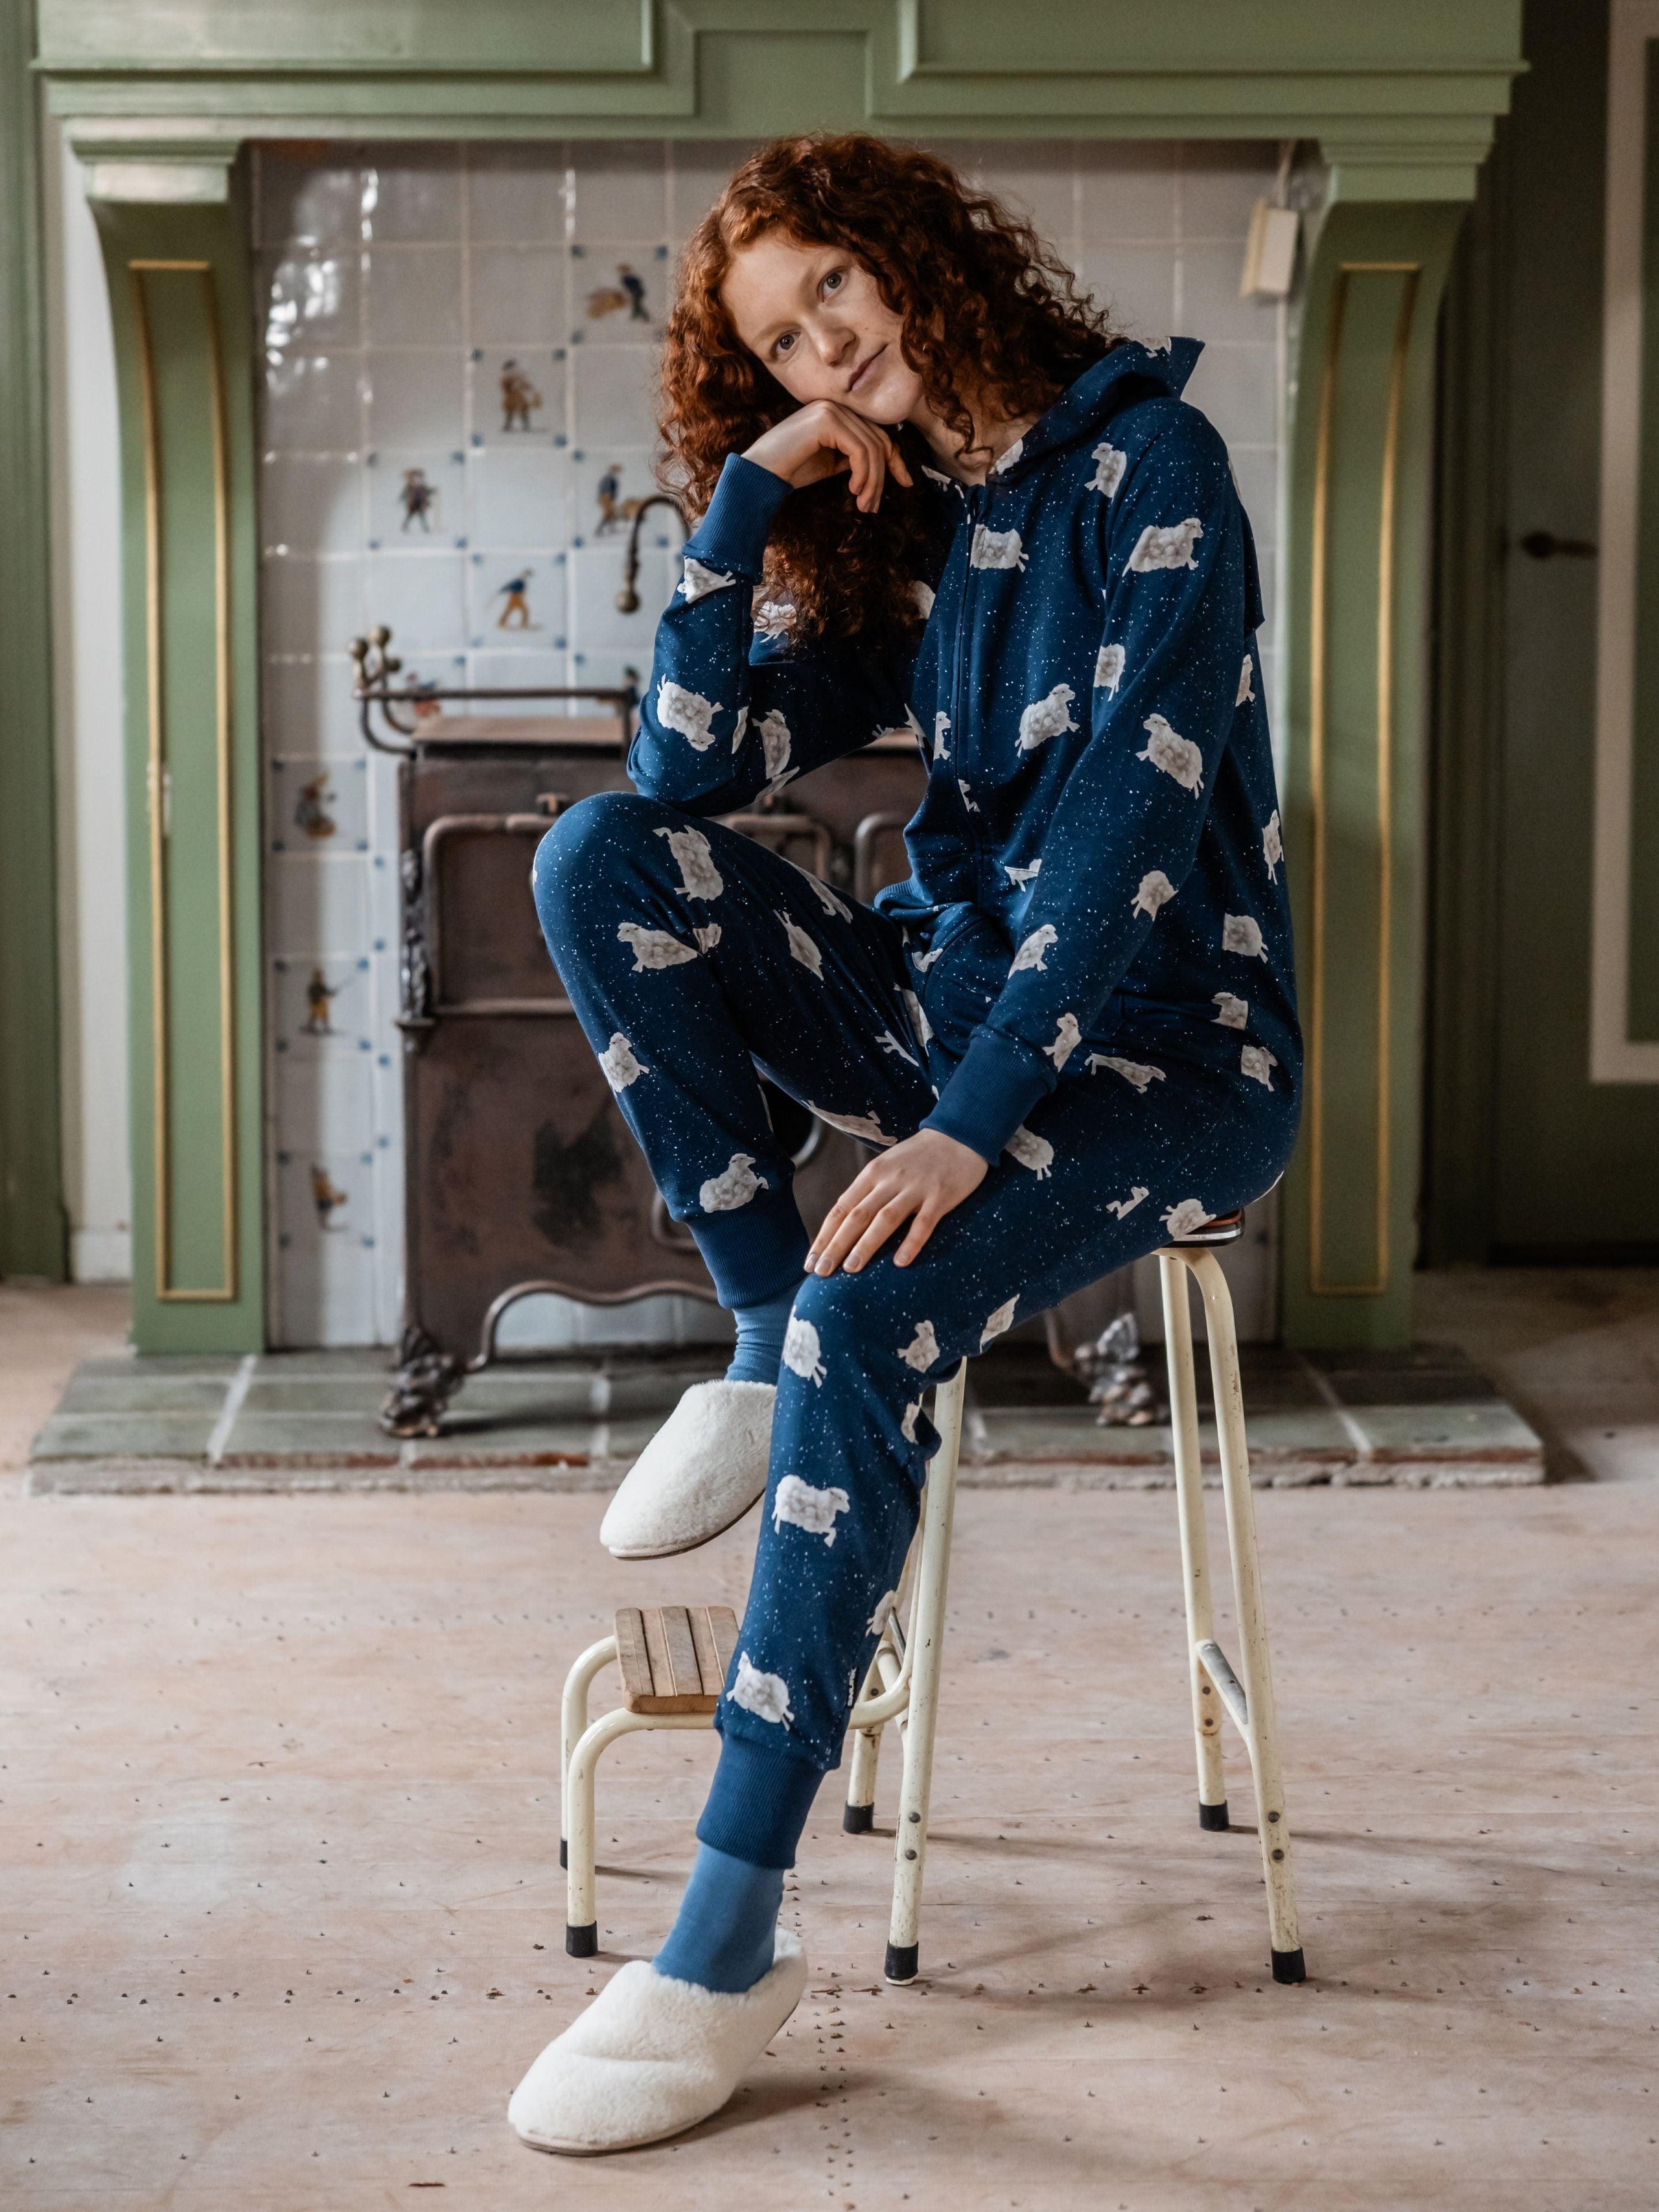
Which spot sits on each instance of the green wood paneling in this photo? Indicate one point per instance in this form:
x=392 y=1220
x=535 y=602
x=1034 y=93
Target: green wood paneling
x=183 y=323
x=1642 y=989
x=34 y=1225
x=1361 y=463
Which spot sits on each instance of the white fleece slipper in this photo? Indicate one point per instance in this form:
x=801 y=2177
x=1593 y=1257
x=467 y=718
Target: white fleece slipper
x=651 y=2057
x=701 y=1473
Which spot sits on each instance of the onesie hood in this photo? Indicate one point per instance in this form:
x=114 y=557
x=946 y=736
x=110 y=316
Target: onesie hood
x=1131 y=371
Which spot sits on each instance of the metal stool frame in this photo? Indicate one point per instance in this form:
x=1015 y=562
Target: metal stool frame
x=904 y=1680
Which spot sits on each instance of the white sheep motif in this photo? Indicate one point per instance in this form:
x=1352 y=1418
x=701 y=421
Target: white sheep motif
x=801 y=1349
x=707 y=937
x=802 y=947
x=1067 y=1037
x=1109 y=464
x=970 y=805
x=1031 y=1152
x=1122 y=1205
x=888 y=1042
x=1023 y=877
x=1241 y=932
x=1034 y=952
x=1168 y=548
x=1108 y=669
x=618 y=1064
x=909 y=728
x=826 y=899
x=652 y=948
x=1256 y=1060
x=1235 y=1012
x=887 y=1604
x=1045 y=718
x=944 y=483
x=1134 y=1072
x=941 y=731
x=773 y=618
x=775 y=743
x=995 y=549
x=687 y=713
x=699 y=581
x=922 y=962
x=907 y=1426
x=922 y=1350
x=699 y=877
x=1272 y=844
x=1246 y=690
x=740 y=724
x=863 y=1125
x=1176 y=755
x=922 y=596
x=797 y=1503
x=1185 y=1220
x=724 y=1194
x=995 y=1323
x=921 y=1027
x=1005 y=461
x=1156 y=890
x=766 y=1696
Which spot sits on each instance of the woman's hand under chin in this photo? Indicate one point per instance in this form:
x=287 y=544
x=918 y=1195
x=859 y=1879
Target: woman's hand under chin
x=919 y=1180
x=823 y=438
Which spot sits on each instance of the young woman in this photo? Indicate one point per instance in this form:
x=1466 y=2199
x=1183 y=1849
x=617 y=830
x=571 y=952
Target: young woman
x=936 y=492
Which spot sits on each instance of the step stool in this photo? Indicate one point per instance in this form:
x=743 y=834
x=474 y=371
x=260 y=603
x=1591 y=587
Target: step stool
x=674 y=1660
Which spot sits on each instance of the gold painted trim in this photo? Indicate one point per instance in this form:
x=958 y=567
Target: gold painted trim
x=156 y=782
x=1318 y=676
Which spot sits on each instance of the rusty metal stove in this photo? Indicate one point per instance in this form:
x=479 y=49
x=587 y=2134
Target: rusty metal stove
x=520 y=1175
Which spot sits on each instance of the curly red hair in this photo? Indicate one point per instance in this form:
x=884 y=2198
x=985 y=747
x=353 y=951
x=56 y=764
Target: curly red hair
x=989 y=313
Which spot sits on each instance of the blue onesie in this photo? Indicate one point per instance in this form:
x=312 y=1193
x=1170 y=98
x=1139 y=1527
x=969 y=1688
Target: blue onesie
x=1087 y=977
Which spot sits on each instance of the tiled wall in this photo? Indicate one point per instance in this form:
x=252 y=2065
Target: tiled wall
x=459 y=347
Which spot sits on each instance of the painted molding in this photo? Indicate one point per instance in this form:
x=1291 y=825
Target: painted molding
x=1401 y=103
x=33 y=1220
x=1361 y=463
x=1614 y=1056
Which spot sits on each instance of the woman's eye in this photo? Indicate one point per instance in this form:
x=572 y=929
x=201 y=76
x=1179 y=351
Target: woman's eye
x=833 y=281
x=785 y=343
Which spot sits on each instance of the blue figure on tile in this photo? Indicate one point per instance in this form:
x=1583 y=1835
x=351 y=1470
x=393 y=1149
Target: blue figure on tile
x=417 y=498
x=515 y=614
x=520 y=398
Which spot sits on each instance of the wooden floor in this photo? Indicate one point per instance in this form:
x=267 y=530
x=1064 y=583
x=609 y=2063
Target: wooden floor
x=283 y=1916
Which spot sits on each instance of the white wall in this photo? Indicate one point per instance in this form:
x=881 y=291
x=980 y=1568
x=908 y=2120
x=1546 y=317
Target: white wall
x=86 y=602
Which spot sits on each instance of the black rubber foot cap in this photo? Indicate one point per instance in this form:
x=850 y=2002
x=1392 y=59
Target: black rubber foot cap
x=858 y=1820
x=1290 y=1965
x=902 y=1961
x=1213 y=1816
x=564 y=1851
x=583 y=1942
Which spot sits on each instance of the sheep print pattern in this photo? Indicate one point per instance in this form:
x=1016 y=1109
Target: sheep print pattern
x=1087 y=977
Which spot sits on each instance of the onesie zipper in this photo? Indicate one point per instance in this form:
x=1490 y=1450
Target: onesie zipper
x=974 y=500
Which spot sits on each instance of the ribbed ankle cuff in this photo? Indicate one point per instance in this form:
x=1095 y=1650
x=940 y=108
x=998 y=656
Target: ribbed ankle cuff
x=758 y=1802
x=756 y=1251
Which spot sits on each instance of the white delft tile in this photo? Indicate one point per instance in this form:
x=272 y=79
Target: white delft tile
x=312 y=403
x=518 y=395
x=310 y=301
x=521 y=497
x=412 y=194
x=318 y=905
x=1221 y=181
x=537 y=671
x=1135 y=285
x=597 y=625
x=515 y=194
x=414 y=296
x=385 y=899
x=699 y=171
x=608 y=672
x=325 y=1102
x=321 y=1004
x=1211 y=307
x=608 y=484
x=316 y=806
x=619 y=295
x=1126 y=191
x=306 y=706
x=416 y=498
x=312 y=604
x=615 y=393
x=326 y=1255
x=416 y=400
x=418 y=595
x=1255 y=472
x=311 y=503
x=620 y=189
x=518 y=296
x=1238 y=387
x=301 y=202
x=517 y=599
x=1035 y=178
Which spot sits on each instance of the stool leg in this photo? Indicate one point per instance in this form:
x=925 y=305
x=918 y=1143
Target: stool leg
x=927 y=1646
x=1195 y=1543
x=573 y=1721
x=859 y=1814
x=581 y=1933
x=1288 y=1964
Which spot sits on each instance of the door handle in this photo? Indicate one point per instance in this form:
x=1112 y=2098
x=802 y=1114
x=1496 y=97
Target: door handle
x=1545 y=545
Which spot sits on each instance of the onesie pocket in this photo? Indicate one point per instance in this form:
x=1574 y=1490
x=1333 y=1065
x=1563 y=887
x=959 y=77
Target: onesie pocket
x=965 y=977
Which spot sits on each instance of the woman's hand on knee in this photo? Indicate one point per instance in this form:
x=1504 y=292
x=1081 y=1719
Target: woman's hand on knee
x=918 y=1181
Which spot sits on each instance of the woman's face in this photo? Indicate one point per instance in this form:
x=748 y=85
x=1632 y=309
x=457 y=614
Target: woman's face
x=814 y=317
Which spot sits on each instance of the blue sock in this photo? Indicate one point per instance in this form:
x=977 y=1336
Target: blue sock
x=759 y=1351
x=723 y=1938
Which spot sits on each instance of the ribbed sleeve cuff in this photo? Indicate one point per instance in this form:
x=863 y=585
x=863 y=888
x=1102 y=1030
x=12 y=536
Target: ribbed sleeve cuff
x=755 y=1251
x=758 y=1802
x=995 y=1084
x=733 y=534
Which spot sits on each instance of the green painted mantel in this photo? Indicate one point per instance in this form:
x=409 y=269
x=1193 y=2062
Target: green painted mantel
x=159 y=101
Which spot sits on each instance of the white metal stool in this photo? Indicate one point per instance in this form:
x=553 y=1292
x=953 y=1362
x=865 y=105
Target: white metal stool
x=903 y=1683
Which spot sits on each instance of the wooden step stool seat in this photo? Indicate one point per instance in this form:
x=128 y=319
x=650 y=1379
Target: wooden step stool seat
x=674 y=1657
